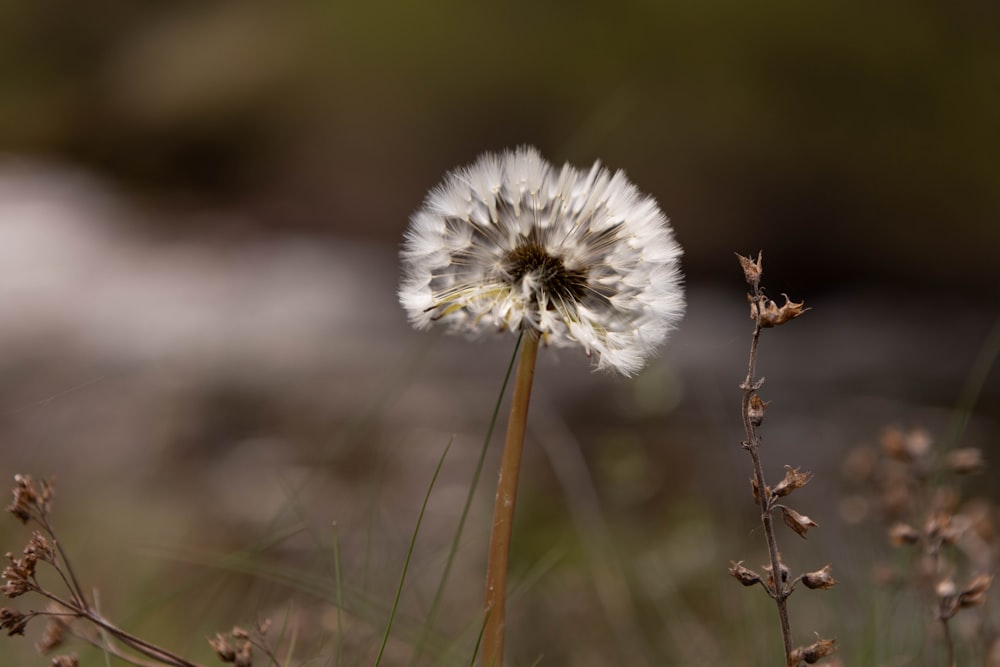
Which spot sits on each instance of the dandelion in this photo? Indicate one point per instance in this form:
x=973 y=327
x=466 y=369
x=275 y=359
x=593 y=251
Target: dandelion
x=579 y=258
x=560 y=257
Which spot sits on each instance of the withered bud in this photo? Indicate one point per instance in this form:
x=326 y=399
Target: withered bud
x=222 y=648
x=263 y=626
x=65 y=661
x=800 y=523
x=25 y=498
x=756 y=490
x=820 y=579
x=893 y=444
x=244 y=657
x=743 y=574
x=13 y=621
x=939 y=528
x=901 y=534
x=239 y=633
x=966 y=461
x=770 y=576
x=812 y=653
x=39 y=549
x=772 y=315
x=794 y=479
x=974 y=594
x=752 y=270
x=18 y=575
x=52 y=638
x=947 y=600
x=756 y=409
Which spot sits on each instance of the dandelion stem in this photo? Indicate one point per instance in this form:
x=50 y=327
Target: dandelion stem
x=503 y=512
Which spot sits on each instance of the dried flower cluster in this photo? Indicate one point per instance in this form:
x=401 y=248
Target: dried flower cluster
x=766 y=314
x=33 y=504
x=237 y=647
x=580 y=258
x=915 y=489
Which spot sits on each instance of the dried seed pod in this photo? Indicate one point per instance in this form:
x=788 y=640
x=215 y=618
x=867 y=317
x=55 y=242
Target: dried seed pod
x=244 y=657
x=793 y=480
x=222 y=648
x=965 y=461
x=820 y=579
x=13 y=621
x=974 y=593
x=743 y=574
x=752 y=270
x=812 y=653
x=800 y=523
x=770 y=577
x=901 y=534
x=773 y=315
x=756 y=409
x=947 y=598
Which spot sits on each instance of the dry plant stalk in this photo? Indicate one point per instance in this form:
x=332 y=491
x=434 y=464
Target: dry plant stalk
x=778 y=585
x=71 y=612
x=925 y=513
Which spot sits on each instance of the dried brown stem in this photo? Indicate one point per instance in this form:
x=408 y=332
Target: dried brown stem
x=503 y=512
x=161 y=655
x=780 y=588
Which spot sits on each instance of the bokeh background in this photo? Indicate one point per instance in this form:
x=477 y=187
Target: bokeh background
x=200 y=210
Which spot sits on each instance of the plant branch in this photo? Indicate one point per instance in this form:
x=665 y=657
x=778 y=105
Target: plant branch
x=779 y=590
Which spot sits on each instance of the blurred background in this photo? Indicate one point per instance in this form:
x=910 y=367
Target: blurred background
x=200 y=210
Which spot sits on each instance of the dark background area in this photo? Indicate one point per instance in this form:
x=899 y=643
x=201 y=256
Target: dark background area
x=857 y=144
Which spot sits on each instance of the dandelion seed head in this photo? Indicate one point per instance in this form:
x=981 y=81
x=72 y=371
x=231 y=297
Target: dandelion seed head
x=579 y=258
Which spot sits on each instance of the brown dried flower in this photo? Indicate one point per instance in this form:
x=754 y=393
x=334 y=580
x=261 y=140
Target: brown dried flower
x=974 y=594
x=244 y=657
x=18 y=574
x=756 y=409
x=222 y=648
x=966 y=461
x=52 y=638
x=13 y=621
x=812 y=653
x=752 y=270
x=820 y=579
x=800 y=523
x=39 y=549
x=939 y=528
x=743 y=574
x=794 y=479
x=771 y=315
x=65 y=661
x=911 y=446
x=902 y=534
x=770 y=578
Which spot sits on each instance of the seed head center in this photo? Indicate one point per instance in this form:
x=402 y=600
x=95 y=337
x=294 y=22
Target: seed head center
x=549 y=270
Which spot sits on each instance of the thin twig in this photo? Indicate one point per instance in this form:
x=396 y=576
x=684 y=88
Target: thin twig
x=779 y=590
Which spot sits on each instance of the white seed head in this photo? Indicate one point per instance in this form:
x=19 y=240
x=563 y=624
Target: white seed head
x=513 y=243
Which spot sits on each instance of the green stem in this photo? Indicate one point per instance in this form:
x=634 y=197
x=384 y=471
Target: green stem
x=503 y=512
